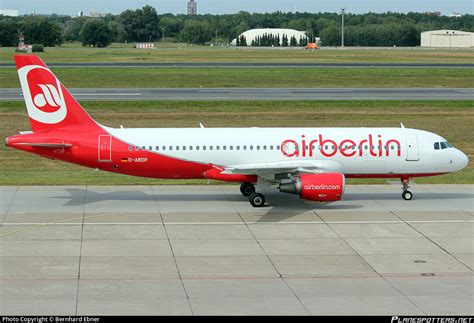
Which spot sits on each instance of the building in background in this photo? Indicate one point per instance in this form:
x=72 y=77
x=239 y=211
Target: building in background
x=447 y=39
x=10 y=13
x=254 y=36
x=455 y=15
x=433 y=13
x=192 y=8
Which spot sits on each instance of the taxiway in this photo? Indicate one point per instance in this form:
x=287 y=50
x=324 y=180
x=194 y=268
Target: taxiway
x=95 y=250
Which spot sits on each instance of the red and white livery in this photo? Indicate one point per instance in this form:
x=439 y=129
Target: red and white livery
x=310 y=162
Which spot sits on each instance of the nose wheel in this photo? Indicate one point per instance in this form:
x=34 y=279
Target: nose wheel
x=407 y=195
x=257 y=199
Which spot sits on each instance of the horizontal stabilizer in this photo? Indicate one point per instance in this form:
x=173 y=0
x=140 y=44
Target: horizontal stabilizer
x=44 y=144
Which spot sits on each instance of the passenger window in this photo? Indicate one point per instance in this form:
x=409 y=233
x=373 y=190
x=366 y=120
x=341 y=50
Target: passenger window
x=184 y=147
x=443 y=145
x=197 y=147
x=157 y=148
x=258 y=147
x=224 y=147
x=164 y=147
x=231 y=147
x=278 y=147
x=203 y=147
x=218 y=148
x=177 y=147
x=238 y=147
x=264 y=147
x=151 y=148
x=436 y=145
x=190 y=147
x=244 y=148
x=130 y=148
x=251 y=147
x=271 y=147
x=144 y=148
x=210 y=147
x=171 y=148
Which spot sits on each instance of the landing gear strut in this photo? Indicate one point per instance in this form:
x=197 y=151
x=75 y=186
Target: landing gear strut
x=247 y=189
x=407 y=195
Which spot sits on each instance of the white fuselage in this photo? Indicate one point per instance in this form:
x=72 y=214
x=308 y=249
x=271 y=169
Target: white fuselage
x=350 y=151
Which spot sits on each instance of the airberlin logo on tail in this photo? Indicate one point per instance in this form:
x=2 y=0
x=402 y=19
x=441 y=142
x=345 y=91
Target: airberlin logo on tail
x=43 y=94
x=50 y=96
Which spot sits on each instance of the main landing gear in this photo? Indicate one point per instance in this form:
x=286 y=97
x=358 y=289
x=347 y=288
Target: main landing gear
x=247 y=189
x=407 y=195
x=255 y=199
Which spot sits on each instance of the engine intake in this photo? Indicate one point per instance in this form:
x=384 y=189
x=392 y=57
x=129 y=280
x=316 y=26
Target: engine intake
x=327 y=187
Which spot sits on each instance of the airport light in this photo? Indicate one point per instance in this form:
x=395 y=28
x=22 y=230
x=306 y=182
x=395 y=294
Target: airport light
x=342 y=29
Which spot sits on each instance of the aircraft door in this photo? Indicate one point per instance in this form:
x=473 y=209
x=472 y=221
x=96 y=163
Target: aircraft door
x=413 y=153
x=105 y=148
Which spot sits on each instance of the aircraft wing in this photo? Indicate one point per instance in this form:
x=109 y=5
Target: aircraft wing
x=270 y=169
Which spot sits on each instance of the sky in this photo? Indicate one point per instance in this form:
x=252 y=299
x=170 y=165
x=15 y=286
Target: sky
x=72 y=7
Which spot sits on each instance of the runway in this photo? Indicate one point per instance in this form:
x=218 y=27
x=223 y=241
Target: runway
x=92 y=250
x=277 y=94
x=253 y=65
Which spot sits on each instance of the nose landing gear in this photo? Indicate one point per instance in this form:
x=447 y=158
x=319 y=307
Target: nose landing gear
x=407 y=195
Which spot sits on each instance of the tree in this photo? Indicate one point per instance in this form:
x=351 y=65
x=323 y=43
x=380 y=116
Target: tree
x=243 y=40
x=96 y=33
x=196 y=32
x=39 y=30
x=72 y=29
x=9 y=34
x=293 y=41
x=141 y=24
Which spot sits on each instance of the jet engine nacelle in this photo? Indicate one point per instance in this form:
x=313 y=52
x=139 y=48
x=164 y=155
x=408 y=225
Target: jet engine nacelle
x=327 y=187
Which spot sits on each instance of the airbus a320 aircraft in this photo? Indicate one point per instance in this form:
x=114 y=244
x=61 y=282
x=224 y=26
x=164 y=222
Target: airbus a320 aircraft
x=310 y=162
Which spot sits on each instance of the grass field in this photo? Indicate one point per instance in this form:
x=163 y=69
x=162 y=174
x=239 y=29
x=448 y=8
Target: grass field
x=451 y=119
x=254 y=77
x=183 y=53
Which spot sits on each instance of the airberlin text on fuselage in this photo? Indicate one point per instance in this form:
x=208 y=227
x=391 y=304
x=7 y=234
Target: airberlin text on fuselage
x=347 y=147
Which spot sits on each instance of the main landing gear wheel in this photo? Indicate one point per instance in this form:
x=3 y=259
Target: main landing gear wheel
x=247 y=189
x=407 y=195
x=257 y=199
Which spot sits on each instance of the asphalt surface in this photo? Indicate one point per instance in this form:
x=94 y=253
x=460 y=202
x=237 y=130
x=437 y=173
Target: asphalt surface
x=254 y=65
x=203 y=250
x=279 y=94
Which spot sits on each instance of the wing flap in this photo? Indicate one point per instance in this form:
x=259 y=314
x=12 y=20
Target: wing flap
x=314 y=166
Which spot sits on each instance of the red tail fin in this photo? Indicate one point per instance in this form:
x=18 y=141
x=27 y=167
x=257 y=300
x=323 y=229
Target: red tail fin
x=50 y=105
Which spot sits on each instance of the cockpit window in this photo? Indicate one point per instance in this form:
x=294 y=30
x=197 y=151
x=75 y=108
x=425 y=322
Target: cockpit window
x=444 y=145
x=436 y=145
x=449 y=145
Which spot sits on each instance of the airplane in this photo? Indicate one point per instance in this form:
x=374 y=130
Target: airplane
x=310 y=162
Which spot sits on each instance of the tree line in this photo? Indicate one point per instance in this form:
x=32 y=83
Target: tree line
x=145 y=24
